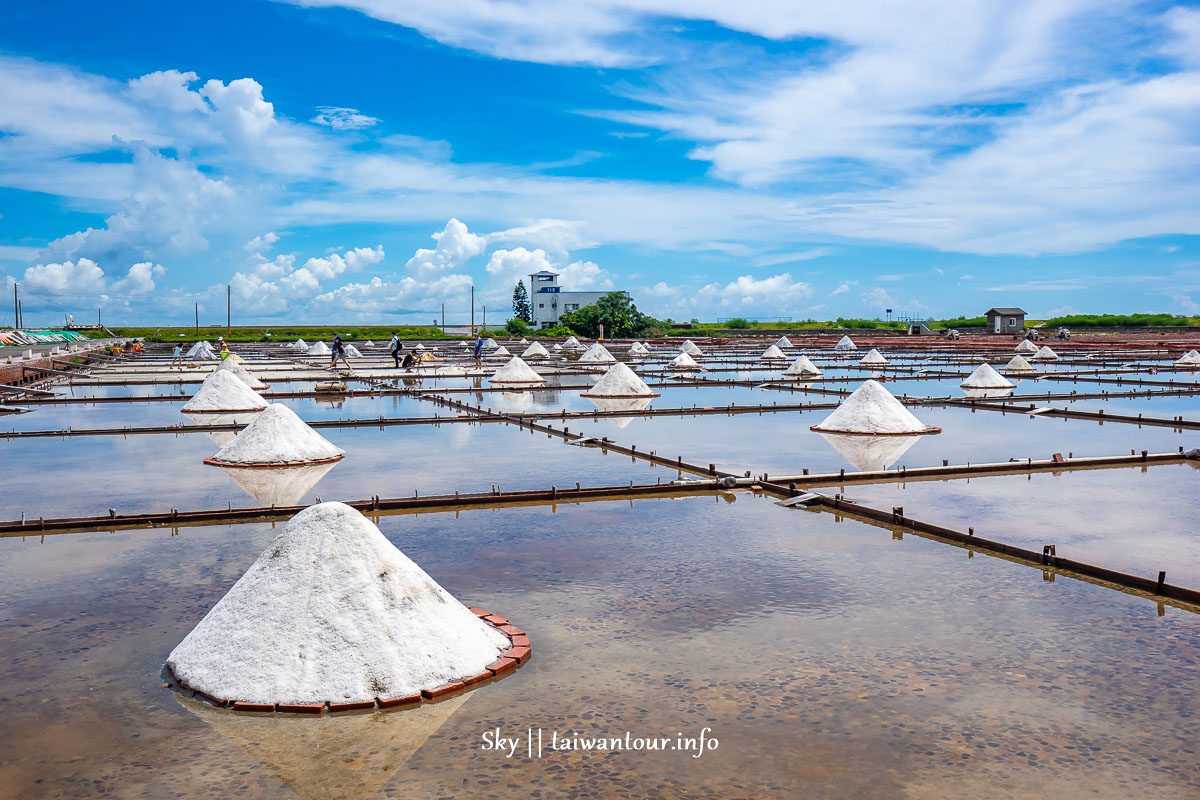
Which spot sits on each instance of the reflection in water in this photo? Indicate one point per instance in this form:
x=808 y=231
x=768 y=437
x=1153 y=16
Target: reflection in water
x=278 y=486
x=997 y=392
x=621 y=404
x=868 y=453
x=332 y=755
x=222 y=438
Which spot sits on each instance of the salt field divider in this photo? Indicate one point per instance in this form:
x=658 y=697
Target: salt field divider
x=1048 y=560
x=375 y=505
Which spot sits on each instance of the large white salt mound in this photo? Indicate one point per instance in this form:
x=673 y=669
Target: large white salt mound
x=224 y=391
x=1026 y=347
x=279 y=486
x=557 y=346
x=200 y=350
x=803 y=366
x=1189 y=358
x=1045 y=354
x=277 y=436
x=535 y=350
x=872 y=409
x=596 y=354
x=333 y=611
x=571 y=342
x=986 y=377
x=516 y=371
x=783 y=341
x=845 y=343
x=620 y=381
x=499 y=352
x=318 y=349
x=300 y=344
x=690 y=348
x=870 y=453
x=873 y=357
x=639 y=349
x=369 y=343
x=773 y=353
x=243 y=374
x=353 y=351
x=490 y=344
x=683 y=363
x=1018 y=364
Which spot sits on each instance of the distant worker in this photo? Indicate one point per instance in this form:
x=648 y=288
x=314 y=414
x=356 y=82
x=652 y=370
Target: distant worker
x=177 y=356
x=479 y=351
x=410 y=360
x=339 y=351
x=395 y=347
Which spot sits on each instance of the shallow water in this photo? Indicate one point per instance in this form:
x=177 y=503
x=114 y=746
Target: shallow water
x=828 y=659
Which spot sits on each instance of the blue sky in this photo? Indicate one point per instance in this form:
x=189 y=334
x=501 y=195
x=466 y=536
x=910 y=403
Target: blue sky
x=369 y=160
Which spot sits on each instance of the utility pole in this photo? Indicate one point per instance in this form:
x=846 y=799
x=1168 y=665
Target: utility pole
x=197 y=322
x=443 y=319
x=228 y=313
x=472 y=310
x=16 y=308
x=484 y=326
x=98 y=317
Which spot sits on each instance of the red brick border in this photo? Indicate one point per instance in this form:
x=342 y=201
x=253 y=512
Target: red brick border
x=517 y=654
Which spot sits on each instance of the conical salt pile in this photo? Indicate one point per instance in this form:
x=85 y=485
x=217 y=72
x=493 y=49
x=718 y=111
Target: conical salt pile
x=200 y=350
x=353 y=351
x=873 y=357
x=783 y=341
x=224 y=391
x=1018 y=364
x=369 y=343
x=1045 y=354
x=871 y=409
x=535 y=350
x=243 y=374
x=1190 y=358
x=773 y=353
x=557 y=347
x=421 y=346
x=571 y=342
x=333 y=611
x=523 y=341
x=299 y=344
x=318 y=349
x=1026 y=348
x=490 y=344
x=516 y=371
x=276 y=437
x=683 y=363
x=986 y=377
x=596 y=354
x=620 y=381
x=499 y=352
x=690 y=348
x=845 y=343
x=803 y=367
x=639 y=349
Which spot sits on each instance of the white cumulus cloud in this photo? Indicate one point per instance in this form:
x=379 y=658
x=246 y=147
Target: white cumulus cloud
x=343 y=119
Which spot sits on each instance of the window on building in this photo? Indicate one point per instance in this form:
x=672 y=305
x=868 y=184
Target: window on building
x=571 y=307
x=541 y=305
x=1012 y=322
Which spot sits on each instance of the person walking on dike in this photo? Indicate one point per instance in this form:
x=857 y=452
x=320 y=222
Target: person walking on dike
x=479 y=351
x=177 y=356
x=395 y=347
x=339 y=351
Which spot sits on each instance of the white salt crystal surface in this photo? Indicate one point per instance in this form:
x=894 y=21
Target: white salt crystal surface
x=620 y=381
x=224 y=391
x=871 y=409
x=277 y=436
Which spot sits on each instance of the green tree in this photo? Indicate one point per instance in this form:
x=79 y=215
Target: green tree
x=521 y=309
x=516 y=327
x=616 y=312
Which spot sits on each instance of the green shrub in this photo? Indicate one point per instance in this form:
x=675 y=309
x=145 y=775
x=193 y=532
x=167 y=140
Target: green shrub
x=559 y=331
x=516 y=327
x=737 y=323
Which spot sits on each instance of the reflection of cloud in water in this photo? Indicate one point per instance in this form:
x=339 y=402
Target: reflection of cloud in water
x=621 y=404
x=513 y=401
x=221 y=438
x=332 y=755
x=867 y=453
x=278 y=486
